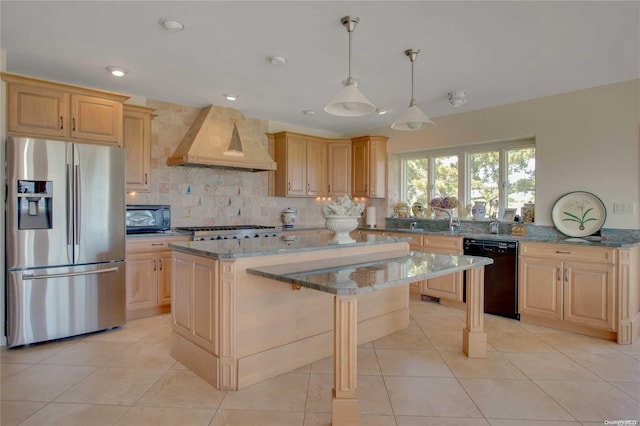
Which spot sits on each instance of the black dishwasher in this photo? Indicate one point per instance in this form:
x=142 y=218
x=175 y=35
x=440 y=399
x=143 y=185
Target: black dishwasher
x=500 y=278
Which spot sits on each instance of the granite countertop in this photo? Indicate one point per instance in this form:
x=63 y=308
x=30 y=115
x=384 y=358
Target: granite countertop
x=247 y=247
x=158 y=234
x=366 y=277
x=562 y=239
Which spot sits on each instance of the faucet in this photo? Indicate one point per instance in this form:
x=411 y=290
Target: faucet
x=413 y=225
x=494 y=225
x=454 y=222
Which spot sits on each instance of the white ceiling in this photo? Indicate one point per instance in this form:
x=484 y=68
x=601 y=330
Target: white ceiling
x=498 y=52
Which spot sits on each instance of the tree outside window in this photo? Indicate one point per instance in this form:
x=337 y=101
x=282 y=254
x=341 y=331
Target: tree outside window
x=417 y=180
x=446 y=176
x=521 y=177
x=485 y=177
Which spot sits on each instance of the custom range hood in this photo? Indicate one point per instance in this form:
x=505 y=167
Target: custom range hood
x=215 y=141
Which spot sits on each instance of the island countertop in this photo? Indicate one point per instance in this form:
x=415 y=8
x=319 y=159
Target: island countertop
x=363 y=277
x=247 y=247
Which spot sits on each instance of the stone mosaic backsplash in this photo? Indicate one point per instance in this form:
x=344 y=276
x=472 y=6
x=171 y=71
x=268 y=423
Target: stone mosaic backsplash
x=205 y=196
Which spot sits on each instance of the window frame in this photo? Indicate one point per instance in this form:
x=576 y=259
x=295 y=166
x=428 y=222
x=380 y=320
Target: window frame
x=464 y=153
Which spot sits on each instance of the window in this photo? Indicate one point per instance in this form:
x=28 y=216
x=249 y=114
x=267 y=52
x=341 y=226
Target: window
x=446 y=176
x=521 y=176
x=417 y=172
x=501 y=174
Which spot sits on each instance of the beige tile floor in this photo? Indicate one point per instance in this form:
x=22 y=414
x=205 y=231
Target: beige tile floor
x=532 y=376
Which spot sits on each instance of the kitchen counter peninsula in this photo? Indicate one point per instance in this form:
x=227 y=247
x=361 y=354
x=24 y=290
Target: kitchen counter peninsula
x=247 y=310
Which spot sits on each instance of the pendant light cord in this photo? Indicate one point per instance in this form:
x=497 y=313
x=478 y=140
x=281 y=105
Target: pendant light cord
x=349 y=79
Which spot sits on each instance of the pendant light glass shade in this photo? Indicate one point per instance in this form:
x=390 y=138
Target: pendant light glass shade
x=350 y=102
x=413 y=118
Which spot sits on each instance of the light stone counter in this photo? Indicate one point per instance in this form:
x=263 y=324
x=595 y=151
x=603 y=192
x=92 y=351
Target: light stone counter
x=364 y=277
x=284 y=244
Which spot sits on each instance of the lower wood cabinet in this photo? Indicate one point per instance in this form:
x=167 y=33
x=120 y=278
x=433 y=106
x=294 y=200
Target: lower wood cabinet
x=448 y=287
x=149 y=275
x=570 y=285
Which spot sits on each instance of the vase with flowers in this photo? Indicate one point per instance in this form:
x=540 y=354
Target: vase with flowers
x=443 y=206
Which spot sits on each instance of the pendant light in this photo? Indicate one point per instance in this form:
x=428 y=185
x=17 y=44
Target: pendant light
x=350 y=102
x=413 y=118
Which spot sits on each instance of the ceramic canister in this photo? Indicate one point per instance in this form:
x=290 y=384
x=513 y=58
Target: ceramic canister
x=288 y=217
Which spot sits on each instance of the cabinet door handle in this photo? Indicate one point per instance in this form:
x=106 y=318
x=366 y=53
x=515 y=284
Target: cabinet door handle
x=566 y=275
x=154 y=264
x=145 y=178
x=329 y=188
x=558 y=275
x=563 y=252
x=73 y=124
x=61 y=123
x=289 y=186
x=157 y=244
x=160 y=264
x=365 y=187
x=308 y=188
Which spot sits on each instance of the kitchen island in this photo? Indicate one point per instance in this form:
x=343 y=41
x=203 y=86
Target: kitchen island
x=247 y=310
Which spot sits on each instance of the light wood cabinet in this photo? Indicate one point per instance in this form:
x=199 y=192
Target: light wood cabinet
x=369 y=166
x=568 y=285
x=148 y=280
x=339 y=168
x=136 y=140
x=316 y=164
x=448 y=287
x=302 y=165
x=46 y=109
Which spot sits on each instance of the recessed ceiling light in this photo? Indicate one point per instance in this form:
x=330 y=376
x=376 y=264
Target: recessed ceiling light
x=171 y=25
x=309 y=112
x=230 y=96
x=116 y=71
x=277 y=60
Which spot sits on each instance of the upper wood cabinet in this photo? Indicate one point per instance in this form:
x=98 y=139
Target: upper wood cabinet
x=302 y=165
x=45 y=109
x=339 y=168
x=136 y=138
x=369 y=166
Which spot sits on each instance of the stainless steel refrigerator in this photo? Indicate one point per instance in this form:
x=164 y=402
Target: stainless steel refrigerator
x=65 y=239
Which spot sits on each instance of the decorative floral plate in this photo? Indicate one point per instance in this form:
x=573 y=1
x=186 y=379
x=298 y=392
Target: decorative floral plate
x=578 y=214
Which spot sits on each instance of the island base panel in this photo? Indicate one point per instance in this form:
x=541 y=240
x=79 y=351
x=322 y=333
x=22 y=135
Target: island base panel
x=196 y=359
x=264 y=365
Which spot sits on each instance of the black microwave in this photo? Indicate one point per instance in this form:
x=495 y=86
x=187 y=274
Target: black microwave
x=148 y=218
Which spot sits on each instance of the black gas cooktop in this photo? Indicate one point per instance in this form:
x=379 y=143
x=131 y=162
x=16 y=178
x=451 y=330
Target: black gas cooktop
x=199 y=233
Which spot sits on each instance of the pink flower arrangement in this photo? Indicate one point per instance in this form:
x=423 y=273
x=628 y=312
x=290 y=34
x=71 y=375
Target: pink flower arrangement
x=444 y=203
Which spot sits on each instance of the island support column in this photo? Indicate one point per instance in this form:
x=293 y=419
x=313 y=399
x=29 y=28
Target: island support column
x=474 y=339
x=345 y=409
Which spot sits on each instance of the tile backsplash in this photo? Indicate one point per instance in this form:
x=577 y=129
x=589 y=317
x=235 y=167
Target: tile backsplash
x=205 y=196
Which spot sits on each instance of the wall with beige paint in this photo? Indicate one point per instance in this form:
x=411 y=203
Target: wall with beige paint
x=587 y=140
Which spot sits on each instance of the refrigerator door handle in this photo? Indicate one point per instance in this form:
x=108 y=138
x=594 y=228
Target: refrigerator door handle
x=70 y=274
x=76 y=200
x=70 y=227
